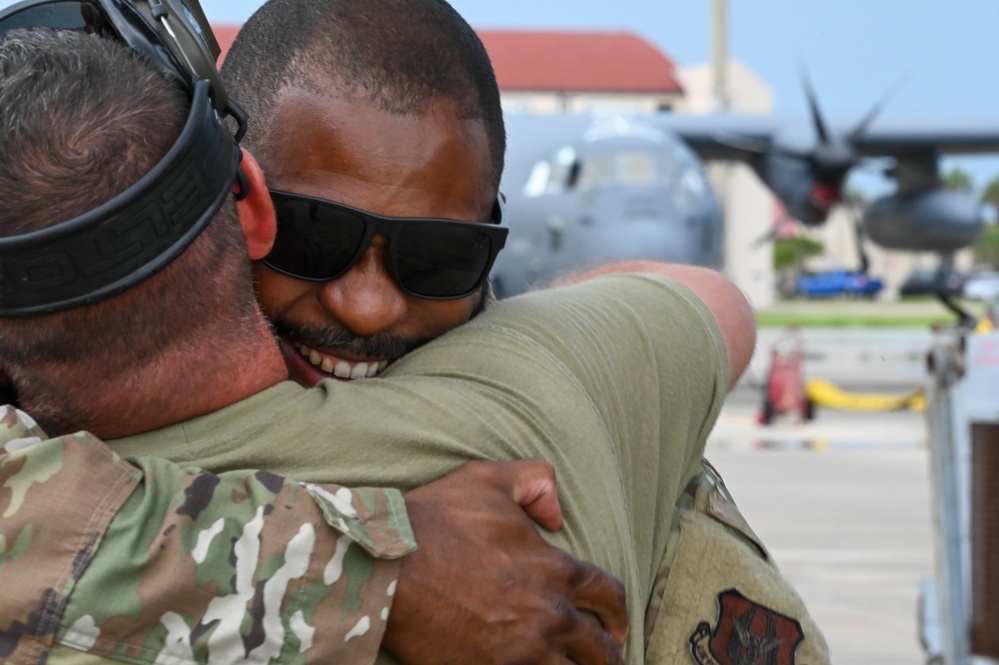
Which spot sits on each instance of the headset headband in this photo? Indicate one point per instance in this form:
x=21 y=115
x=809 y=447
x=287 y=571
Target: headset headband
x=139 y=232
x=131 y=237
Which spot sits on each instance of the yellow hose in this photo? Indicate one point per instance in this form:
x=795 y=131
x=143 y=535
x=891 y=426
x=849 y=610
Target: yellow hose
x=825 y=394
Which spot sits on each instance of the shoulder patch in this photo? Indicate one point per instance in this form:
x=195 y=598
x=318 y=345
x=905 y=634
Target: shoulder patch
x=746 y=633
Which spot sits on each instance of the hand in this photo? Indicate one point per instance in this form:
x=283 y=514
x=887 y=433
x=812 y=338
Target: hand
x=483 y=587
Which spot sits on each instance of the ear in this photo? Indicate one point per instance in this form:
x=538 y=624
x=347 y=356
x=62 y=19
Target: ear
x=256 y=211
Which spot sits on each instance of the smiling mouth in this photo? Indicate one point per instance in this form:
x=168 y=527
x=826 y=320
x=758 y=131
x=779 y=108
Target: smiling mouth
x=340 y=368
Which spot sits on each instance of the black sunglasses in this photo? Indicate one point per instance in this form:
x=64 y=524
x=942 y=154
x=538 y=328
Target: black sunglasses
x=439 y=259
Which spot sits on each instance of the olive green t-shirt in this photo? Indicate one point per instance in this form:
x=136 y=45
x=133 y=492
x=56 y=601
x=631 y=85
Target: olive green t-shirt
x=616 y=381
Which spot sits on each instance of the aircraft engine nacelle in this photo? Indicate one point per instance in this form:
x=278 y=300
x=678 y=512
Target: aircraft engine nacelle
x=808 y=198
x=933 y=220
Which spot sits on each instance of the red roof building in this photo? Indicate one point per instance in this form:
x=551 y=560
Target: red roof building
x=544 y=71
x=608 y=62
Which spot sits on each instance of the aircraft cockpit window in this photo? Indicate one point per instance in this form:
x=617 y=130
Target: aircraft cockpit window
x=633 y=168
x=624 y=168
x=568 y=171
x=597 y=171
x=555 y=175
x=537 y=182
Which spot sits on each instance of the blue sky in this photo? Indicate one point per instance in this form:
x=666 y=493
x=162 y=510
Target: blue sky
x=855 y=50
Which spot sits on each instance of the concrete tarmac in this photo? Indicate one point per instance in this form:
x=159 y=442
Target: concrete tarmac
x=843 y=502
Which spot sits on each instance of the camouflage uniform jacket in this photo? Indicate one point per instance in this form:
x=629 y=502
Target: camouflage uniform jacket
x=141 y=561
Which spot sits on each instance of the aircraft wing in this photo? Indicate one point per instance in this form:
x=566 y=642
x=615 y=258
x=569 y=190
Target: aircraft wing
x=738 y=137
x=898 y=138
x=805 y=160
x=741 y=136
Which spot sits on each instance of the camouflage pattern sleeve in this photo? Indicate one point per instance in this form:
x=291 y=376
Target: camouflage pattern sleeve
x=57 y=498
x=185 y=566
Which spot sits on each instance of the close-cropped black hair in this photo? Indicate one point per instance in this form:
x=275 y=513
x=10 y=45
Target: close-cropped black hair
x=403 y=53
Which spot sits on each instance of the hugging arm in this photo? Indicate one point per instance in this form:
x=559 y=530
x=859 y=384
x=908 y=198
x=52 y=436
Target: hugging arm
x=484 y=587
x=221 y=549
x=723 y=298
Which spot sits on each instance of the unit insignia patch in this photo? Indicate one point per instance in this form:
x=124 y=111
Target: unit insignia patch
x=746 y=633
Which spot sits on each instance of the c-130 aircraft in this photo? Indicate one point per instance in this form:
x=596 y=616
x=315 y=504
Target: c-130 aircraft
x=592 y=187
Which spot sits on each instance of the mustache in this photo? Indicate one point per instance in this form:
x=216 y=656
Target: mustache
x=335 y=338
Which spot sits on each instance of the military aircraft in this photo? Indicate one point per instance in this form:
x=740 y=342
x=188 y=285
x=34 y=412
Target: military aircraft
x=585 y=188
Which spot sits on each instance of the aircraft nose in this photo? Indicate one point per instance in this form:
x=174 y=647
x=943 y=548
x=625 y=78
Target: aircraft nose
x=650 y=224
x=651 y=238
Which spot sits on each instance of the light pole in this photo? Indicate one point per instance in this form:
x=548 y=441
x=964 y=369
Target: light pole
x=719 y=53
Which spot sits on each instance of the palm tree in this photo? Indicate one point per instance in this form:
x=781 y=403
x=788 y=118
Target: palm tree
x=958 y=179
x=986 y=250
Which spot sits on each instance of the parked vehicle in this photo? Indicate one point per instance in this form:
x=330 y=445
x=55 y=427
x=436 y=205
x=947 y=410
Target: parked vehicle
x=927 y=281
x=983 y=286
x=839 y=283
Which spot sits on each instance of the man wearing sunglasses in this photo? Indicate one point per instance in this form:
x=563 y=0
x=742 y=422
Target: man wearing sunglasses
x=360 y=125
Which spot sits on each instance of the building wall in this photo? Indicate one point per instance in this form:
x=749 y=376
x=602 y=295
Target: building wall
x=748 y=203
x=748 y=217
x=747 y=92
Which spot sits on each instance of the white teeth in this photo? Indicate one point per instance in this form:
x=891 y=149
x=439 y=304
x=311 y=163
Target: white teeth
x=343 y=369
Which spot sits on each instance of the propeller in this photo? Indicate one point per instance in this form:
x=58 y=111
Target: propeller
x=766 y=238
x=782 y=220
x=876 y=110
x=833 y=154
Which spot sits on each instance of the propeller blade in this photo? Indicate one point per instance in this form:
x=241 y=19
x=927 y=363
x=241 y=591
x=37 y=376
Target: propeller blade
x=767 y=237
x=875 y=111
x=818 y=121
